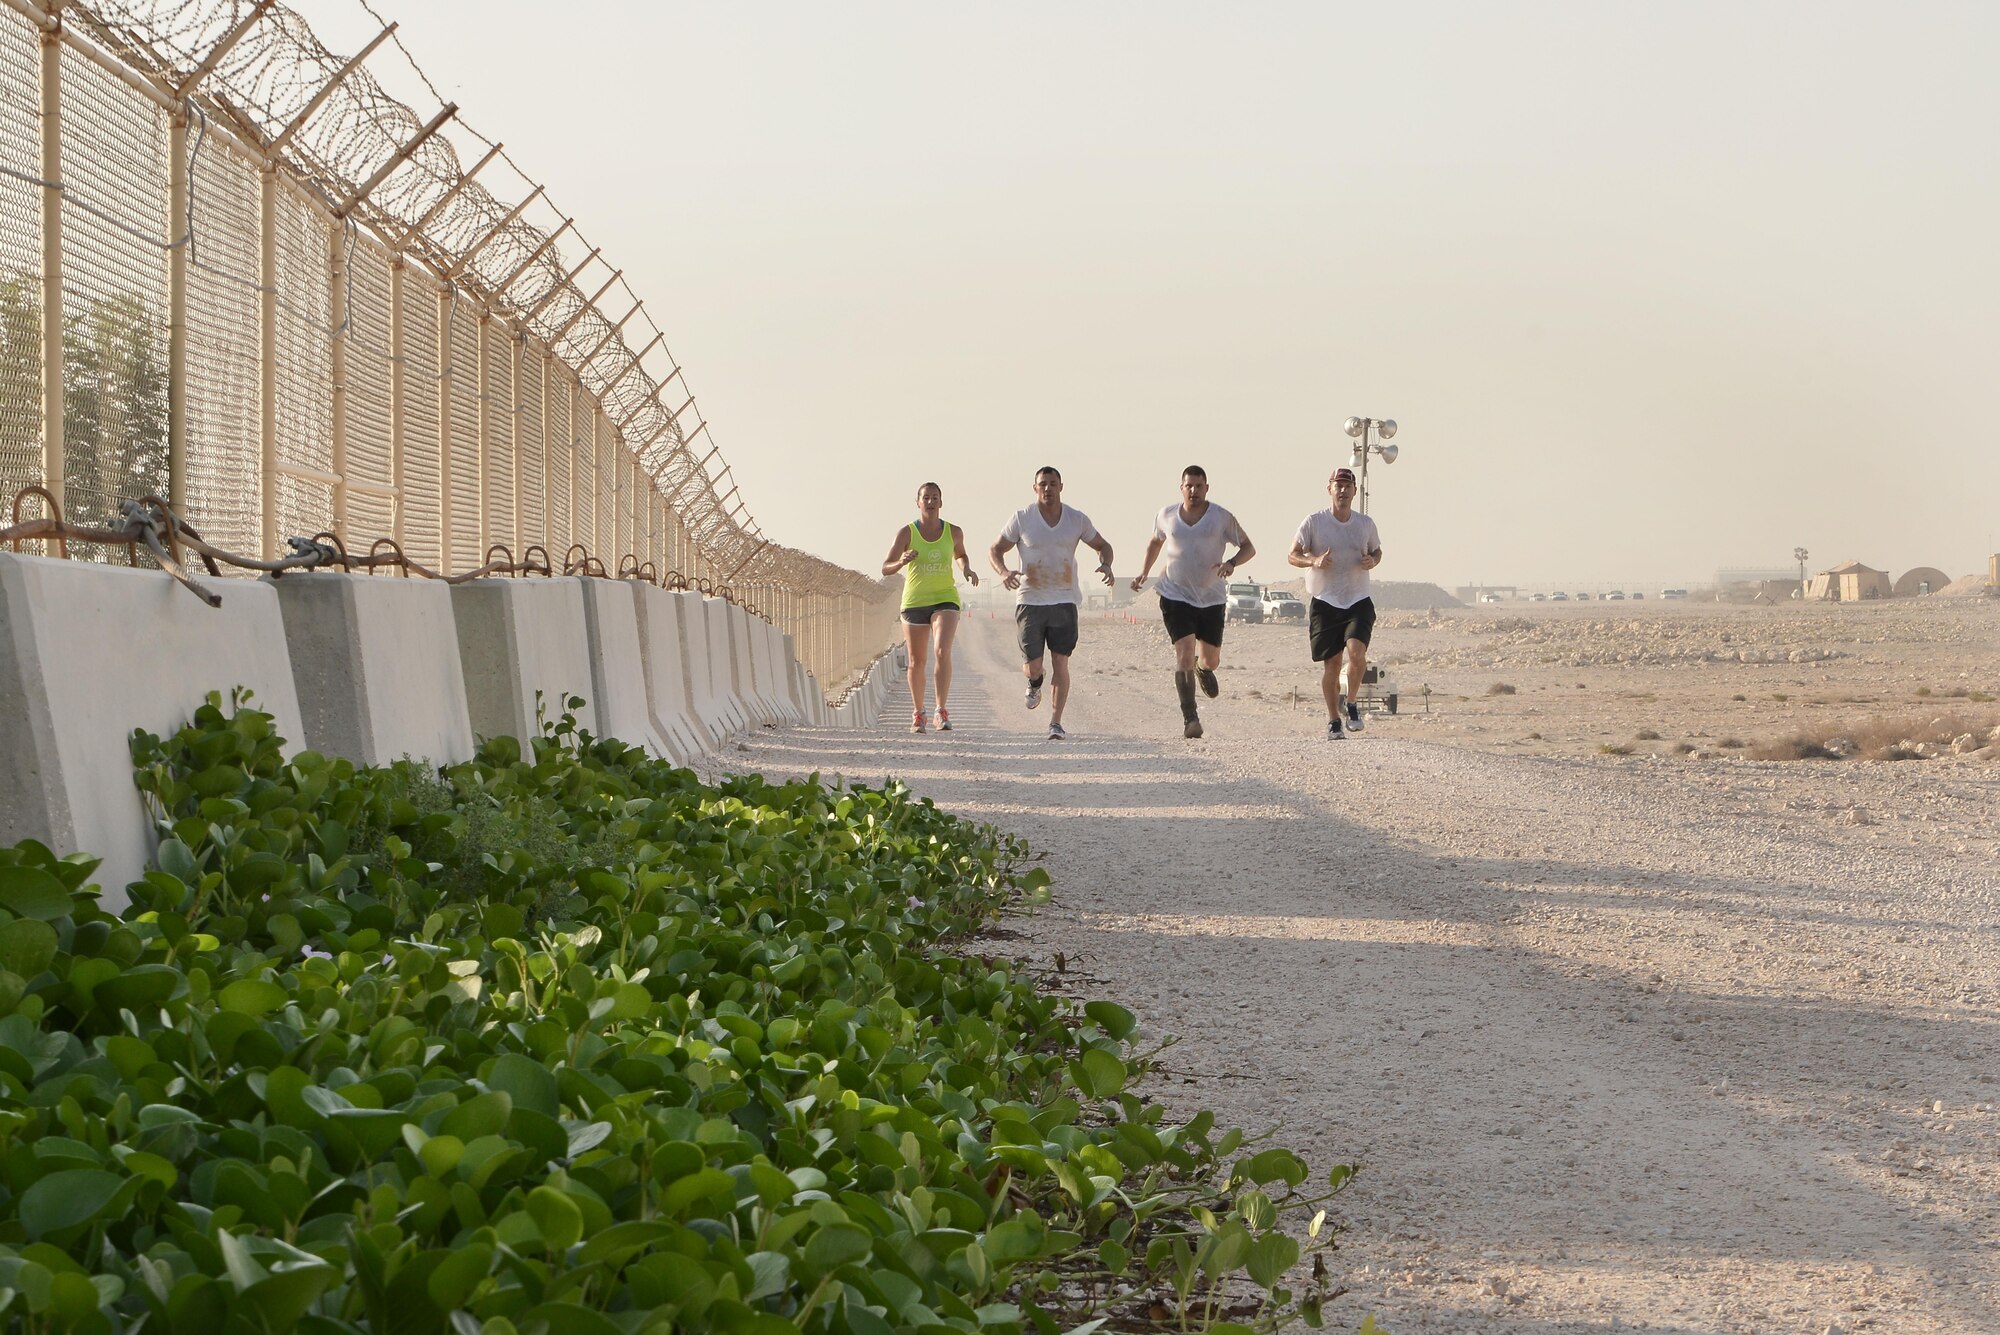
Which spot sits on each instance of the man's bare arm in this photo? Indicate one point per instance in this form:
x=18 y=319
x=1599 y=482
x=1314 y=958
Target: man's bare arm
x=1103 y=550
x=997 y=554
x=1152 y=555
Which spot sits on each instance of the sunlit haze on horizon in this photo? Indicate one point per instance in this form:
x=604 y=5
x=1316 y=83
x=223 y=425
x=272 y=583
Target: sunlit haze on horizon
x=1651 y=290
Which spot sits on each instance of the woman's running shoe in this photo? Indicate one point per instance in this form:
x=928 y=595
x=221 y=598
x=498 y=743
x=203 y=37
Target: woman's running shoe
x=944 y=720
x=917 y=721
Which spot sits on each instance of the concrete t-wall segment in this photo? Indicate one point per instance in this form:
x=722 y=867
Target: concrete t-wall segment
x=725 y=690
x=764 y=661
x=517 y=637
x=377 y=667
x=663 y=648
x=89 y=652
x=618 y=670
x=700 y=668
x=743 y=666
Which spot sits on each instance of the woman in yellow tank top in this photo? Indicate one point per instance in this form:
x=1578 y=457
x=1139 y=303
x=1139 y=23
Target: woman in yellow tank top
x=924 y=552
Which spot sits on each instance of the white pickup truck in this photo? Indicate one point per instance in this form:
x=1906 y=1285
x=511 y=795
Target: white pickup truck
x=1280 y=605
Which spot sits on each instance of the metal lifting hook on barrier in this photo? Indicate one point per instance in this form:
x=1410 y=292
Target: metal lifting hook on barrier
x=151 y=523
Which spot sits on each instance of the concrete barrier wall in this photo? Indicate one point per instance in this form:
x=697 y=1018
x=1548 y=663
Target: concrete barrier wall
x=377 y=668
x=517 y=637
x=367 y=668
x=88 y=653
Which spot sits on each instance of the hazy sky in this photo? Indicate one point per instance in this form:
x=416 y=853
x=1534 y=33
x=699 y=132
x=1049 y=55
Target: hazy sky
x=1651 y=289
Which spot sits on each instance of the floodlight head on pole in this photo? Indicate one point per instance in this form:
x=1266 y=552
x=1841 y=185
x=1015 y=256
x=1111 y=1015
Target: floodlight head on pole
x=1386 y=428
x=1388 y=453
x=1355 y=426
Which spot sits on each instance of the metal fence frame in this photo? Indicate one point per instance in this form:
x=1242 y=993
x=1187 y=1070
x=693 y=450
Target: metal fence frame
x=432 y=362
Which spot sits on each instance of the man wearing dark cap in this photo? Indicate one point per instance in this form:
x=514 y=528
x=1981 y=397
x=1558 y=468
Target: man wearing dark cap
x=1337 y=548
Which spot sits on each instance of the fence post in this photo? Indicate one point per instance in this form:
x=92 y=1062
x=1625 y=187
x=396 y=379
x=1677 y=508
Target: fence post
x=267 y=356
x=482 y=403
x=396 y=395
x=337 y=277
x=53 y=463
x=447 y=304
x=515 y=352
x=177 y=294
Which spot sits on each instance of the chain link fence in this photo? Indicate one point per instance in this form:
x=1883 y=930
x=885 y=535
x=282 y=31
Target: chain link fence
x=236 y=272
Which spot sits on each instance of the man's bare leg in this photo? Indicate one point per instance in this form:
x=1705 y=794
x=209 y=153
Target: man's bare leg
x=1058 y=686
x=1329 y=685
x=1357 y=668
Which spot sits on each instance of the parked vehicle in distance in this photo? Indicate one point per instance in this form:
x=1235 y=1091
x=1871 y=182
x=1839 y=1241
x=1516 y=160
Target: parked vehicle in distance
x=1558 y=597
x=1583 y=597
x=1246 y=603
x=1673 y=593
x=1538 y=597
x=1281 y=605
x=1489 y=597
x=1614 y=597
x=1637 y=595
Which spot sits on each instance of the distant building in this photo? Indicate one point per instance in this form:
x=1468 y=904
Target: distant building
x=1922 y=580
x=1725 y=578
x=1848 y=582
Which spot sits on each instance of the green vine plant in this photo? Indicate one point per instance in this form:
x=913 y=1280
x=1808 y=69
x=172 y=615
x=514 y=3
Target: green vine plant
x=563 y=1041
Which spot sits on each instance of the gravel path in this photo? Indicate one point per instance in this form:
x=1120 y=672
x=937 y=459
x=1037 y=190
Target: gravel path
x=1617 y=1044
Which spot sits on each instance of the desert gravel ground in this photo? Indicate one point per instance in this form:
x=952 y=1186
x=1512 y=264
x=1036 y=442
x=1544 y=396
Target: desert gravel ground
x=1671 y=1041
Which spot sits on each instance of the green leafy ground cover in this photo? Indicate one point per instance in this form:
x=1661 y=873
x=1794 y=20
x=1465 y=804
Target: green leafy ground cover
x=570 y=1042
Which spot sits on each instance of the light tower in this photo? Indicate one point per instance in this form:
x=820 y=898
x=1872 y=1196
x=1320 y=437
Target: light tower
x=1360 y=428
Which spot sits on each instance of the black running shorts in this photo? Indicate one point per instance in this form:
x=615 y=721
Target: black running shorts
x=921 y=616
x=1333 y=627
x=1051 y=628
x=1185 y=619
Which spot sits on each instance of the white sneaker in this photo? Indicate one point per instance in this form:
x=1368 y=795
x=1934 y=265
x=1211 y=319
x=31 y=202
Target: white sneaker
x=1034 y=697
x=1056 y=733
x=1353 y=717
x=1333 y=730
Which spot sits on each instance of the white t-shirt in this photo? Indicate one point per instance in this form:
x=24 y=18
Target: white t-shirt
x=1048 y=554
x=1347 y=583
x=1192 y=552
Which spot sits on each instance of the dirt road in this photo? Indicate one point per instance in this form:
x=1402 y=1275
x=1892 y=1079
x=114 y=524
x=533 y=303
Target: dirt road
x=1619 y=1044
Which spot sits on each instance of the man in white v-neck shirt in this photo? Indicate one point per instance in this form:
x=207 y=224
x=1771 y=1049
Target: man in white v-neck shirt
x=1193 y=588
x=1337 y=547
x=1049 y=596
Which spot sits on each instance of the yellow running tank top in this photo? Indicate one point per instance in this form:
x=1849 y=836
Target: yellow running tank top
x=928 y=581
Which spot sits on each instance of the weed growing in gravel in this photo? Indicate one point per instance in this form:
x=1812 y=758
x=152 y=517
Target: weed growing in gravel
x=1646 y=735
x=1923 y=690
x=1878 y=739
x=1615 y=748
x=1732 y=744
x=1739 y=698
x=1780 y=696
x=1500 y=688
x=1683 y=748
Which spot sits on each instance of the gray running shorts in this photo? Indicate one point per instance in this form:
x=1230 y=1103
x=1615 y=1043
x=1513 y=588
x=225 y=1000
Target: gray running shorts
x=1051 y=627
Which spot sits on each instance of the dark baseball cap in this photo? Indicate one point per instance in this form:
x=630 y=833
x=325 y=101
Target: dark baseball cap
x=1343 y=475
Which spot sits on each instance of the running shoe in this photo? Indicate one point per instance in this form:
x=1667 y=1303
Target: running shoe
x=1192 y=728
x=944 y=720
x=1056 y=733
x=1333 y=730
x=1353 y=717
x=1034 y=697
x=1209 y=686
x=917 y=721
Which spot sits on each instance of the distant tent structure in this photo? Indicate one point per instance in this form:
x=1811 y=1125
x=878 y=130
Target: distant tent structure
x=1922 y=580
x=1848 y=582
